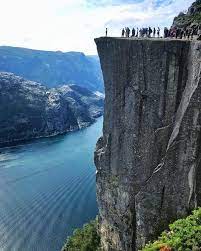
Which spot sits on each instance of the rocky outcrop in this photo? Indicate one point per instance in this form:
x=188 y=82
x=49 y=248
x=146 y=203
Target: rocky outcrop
x=148 y=160
x=191 y=19
x=82 y=101
x=30 y=110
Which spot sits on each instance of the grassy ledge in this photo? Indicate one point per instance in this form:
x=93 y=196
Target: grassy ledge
x=183 y=235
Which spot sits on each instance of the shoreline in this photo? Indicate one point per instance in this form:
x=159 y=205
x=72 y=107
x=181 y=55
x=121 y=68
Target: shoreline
x=15 y=143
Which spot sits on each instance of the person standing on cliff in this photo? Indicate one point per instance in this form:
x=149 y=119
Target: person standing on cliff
x=165 y=32
x=158 y=32
x=188 y=33
x=181 y=34
x=137 y=34
x=192 y=33
x=128 y=32
x=177 y=33
x=154 y=32
x=184 y=33
x=106 y=32
x=123 y=32
x=150 y=31
x=133 y=32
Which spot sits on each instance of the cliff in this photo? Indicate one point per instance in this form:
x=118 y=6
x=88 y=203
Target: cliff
x=30 y=110
x=148 y=160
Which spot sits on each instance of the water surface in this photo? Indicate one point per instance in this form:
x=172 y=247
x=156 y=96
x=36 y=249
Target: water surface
x=47 y=189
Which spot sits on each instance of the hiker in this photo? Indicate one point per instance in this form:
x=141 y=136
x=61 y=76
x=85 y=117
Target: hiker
x=106 y=32
x=141 y=32
x=184 y=33
x=192 y=33
x=169 y=33
x=133 y=32
x=181 y=34
x=123 y=32
x=166 y=32
x=145 y=32
x=158 y=32
x=154 y=32
x=137 y=34
x=177 y=33
x=172 y=32
x=188 y=34
x=128 y=32
x=150 y=31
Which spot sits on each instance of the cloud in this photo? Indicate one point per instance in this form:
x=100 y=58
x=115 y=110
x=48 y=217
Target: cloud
x=71 y=25
x=109 y=2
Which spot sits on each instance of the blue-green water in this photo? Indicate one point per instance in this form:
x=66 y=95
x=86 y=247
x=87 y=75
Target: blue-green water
x=47 y=189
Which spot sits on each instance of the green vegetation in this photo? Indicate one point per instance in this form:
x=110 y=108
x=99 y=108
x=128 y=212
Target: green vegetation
x=85 y=239
x=192 y=18
x=187 y=20
x=184 y=235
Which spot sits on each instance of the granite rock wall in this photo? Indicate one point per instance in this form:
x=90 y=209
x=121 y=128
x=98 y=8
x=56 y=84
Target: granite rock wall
x=148 y=160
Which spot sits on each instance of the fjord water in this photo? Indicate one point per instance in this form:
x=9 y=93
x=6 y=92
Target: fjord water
x=47 y=189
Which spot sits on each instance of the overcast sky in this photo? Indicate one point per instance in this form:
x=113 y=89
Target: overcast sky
x=71 y=25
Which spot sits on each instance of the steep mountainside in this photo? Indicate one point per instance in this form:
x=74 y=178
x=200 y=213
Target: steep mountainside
x=82 y=100
x=191 y=19
x=148 y=160
x=52 y=68
x=30 y=110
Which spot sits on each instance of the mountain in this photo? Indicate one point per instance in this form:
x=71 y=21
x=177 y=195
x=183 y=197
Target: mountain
x=191 y=19
x=30 y=110
x=81 y=100
x=52 y=68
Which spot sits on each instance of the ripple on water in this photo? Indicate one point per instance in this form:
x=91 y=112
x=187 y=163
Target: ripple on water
x=47 y=189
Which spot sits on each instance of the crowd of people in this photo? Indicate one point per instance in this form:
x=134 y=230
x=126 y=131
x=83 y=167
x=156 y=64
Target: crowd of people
x=178 y=33
x=186 y=33
x=143 y=32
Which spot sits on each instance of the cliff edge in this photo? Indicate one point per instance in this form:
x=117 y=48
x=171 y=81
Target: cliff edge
x=148 y=160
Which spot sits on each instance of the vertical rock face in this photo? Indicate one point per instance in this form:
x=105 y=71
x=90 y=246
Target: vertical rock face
x=148 y=160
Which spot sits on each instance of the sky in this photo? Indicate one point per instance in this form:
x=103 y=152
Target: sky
x=72 y=25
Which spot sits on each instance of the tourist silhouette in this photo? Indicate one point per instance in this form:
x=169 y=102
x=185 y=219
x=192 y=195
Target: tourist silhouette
x=123 y=32
x=133 y=32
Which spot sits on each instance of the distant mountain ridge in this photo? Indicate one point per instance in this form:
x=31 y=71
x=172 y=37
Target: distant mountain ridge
x=30 y=110
x=52 y=68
